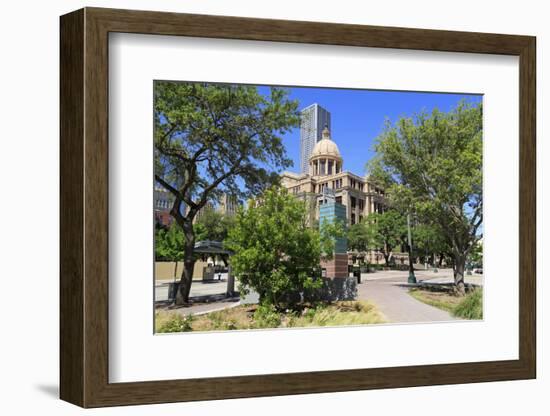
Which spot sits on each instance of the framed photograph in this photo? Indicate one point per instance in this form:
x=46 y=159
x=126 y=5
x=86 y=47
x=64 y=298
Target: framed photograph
x=254 y=207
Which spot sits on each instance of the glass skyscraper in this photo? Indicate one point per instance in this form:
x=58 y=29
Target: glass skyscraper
x=313 y=119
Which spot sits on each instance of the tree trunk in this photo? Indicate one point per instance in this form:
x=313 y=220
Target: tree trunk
x=441 y=255
x=182 y=295
x=460 y=263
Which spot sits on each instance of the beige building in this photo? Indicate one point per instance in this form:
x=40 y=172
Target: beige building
x=229 y=205
x=326 y=171
x=226 y=205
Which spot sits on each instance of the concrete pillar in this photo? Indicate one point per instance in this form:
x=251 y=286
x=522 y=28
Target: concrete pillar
x=230 y=292
x=348 y=206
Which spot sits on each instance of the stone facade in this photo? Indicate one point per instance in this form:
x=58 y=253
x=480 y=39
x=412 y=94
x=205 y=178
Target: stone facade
x=360 y=196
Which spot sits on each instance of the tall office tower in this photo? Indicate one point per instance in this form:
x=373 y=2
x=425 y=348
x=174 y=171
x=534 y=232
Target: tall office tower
x=314 y=118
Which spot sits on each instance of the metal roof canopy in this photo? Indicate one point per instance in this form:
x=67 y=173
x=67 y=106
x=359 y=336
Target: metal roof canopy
x=211 y=247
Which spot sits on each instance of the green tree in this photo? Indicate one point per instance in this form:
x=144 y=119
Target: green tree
x=213 y=225
x=388 y=230
x=276 y=252
x=169 y=245
x=360 y=237
x=215 y=139
x=476 y=254
x=428 y=241
x=432 y=166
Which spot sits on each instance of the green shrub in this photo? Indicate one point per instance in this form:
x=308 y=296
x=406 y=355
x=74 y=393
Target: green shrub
x=471 y=307
x=266 y=316
x=177 y=323
x=275 y=251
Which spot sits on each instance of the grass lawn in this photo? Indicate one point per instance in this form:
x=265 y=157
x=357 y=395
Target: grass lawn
x=256 y=317
x=467 y=307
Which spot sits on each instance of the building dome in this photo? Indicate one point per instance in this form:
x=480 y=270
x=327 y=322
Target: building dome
x=325 y=158
x=326 y=147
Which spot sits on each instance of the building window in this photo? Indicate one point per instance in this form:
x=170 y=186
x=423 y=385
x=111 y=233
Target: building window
x=361 y=204
x=353 y=201
x=352 y=219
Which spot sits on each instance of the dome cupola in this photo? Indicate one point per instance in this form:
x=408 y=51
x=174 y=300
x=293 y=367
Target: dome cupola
x=325 y=158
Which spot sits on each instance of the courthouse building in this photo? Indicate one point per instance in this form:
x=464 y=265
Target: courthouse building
x=326 y=174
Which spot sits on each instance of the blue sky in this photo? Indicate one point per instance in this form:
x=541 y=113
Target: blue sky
x=357 y=117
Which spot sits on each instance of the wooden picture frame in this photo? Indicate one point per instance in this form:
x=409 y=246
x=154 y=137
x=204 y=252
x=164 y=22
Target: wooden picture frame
x=84 y=207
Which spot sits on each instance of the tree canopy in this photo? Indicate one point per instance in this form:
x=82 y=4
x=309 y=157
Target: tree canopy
x=169 y=244
x=388 y=231
x=212 y=139
x=213 y=225
x=360 y=237
x=431 y=165
x=429 y=240
x=216 y=139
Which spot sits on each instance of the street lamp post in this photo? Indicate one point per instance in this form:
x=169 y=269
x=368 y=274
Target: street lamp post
x=412 y=277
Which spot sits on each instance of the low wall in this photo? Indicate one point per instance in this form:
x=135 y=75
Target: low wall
x=340 y=289
x=164 y=270
x=344 y=288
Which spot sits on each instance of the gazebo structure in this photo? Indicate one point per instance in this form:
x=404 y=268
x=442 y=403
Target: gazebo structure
x=209 y=247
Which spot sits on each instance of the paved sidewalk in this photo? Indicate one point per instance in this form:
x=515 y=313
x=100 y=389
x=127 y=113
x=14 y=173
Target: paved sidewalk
x=198 y=288
x=388 y=291
x=206 y=296
x=201 y=308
